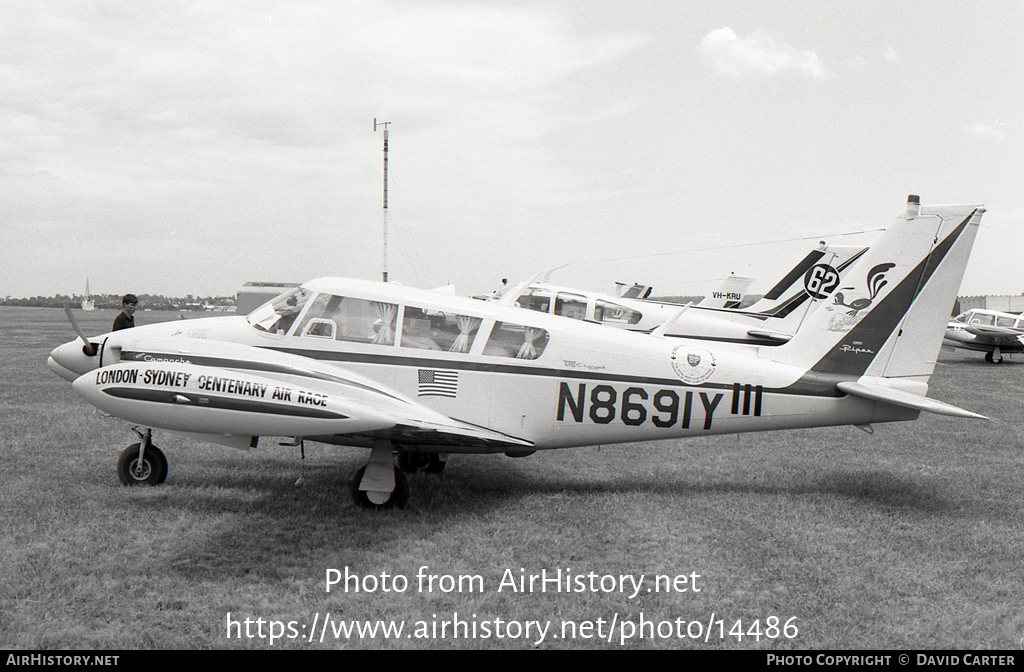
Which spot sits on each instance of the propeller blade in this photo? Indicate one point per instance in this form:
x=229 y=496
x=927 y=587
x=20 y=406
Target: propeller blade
x=89 y=348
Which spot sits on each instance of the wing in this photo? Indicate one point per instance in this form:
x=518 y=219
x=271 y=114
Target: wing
x=216 y=389
x=998 y=335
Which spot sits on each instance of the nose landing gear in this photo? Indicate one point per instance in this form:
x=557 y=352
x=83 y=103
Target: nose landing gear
x=142 y=463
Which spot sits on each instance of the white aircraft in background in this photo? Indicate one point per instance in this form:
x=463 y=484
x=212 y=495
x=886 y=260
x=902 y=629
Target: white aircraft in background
x=729 y=294
x=988 y=331
x=420 y=375
x=770 y=321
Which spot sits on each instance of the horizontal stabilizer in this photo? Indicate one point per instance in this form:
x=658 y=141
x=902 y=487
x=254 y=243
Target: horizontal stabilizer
x=903 y=398
x=776 y=336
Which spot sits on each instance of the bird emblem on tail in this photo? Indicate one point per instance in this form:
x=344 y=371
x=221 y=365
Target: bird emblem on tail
x=876 y=281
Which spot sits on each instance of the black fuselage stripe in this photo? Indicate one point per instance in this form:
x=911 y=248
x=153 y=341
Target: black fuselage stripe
x=544 y=372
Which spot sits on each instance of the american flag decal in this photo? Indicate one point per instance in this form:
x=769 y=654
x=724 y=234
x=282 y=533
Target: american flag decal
x=435 y=383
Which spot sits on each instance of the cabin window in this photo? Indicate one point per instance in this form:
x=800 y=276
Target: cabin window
x=613 y=313
x=346 y=319
x=277 y=315
x=517 y=341
x=961 y=318
x=1006 y=321
x=430 y=330
x=571 y=305
x=535 y=300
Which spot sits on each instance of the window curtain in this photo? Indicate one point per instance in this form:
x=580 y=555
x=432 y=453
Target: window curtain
x=386 y=312
x=467 y=325
x=526 y=350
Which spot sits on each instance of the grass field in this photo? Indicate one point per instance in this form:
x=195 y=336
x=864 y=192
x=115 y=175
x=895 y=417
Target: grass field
x=908 y=538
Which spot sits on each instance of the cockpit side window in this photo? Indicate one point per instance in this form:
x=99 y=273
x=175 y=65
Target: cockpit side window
x=277 y=315
x=347 y=319
x=535 y=300
x=432 y=330
x=571 y=305
x=517 y=341
x=318 y=320
x=981 y=318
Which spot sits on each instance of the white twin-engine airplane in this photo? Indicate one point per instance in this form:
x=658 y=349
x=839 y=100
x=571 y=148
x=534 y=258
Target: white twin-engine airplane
x=770 y=321
x=420 y=375
x=988 y=331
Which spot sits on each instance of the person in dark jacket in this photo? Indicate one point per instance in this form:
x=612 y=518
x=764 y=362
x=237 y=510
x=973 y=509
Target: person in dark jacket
x=126 y=318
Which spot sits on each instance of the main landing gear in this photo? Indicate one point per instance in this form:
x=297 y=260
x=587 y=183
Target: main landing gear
x=994 y=357
x=431 y=463
x=382 y=483
x=142 y=463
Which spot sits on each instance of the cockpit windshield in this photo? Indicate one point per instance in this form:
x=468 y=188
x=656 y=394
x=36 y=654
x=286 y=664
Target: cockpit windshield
x=277 y=315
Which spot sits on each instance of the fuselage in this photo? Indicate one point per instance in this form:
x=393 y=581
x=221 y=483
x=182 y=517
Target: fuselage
x=537 y=377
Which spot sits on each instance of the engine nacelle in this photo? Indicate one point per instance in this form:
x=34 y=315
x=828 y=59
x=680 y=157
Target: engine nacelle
x=186 y=397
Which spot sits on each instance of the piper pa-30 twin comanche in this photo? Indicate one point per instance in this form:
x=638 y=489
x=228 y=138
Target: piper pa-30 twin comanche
x=988 y=331
x=419 y=375
x=770 y=321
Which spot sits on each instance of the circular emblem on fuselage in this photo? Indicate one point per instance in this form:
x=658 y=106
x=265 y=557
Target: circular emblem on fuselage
x=692 y=364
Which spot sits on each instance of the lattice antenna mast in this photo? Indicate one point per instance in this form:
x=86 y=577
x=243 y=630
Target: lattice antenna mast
x=384 y=125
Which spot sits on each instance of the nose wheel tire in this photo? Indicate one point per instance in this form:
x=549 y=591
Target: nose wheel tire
x=150 y=470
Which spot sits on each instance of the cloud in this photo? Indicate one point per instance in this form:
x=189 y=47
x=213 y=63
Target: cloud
x=757 y=56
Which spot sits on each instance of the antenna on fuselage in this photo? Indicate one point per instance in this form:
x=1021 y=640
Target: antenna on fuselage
x=384 y=125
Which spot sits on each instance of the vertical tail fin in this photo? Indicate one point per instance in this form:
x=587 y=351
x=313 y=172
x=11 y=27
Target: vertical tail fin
x=728 y=294
x=888 y=319
x=821 y=270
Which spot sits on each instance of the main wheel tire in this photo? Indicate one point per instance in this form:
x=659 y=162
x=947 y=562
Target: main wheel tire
x=399 y=496
x=436 y=465
x=152 y=470
x=412 y=463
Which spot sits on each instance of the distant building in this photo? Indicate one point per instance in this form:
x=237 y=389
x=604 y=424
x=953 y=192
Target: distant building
x=252 y=295
x=1004 y=303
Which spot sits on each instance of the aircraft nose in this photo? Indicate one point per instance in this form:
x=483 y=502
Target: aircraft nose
x=69 y=361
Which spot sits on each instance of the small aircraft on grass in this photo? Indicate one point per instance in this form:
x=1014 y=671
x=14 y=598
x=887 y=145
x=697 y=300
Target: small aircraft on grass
x=416 y=375
x=988 y=331
x=772 y=320
x=728 y=294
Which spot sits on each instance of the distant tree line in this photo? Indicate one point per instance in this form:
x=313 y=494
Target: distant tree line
x=150 y=301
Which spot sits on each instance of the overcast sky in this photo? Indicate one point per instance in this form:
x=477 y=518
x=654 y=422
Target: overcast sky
x=189 y=147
